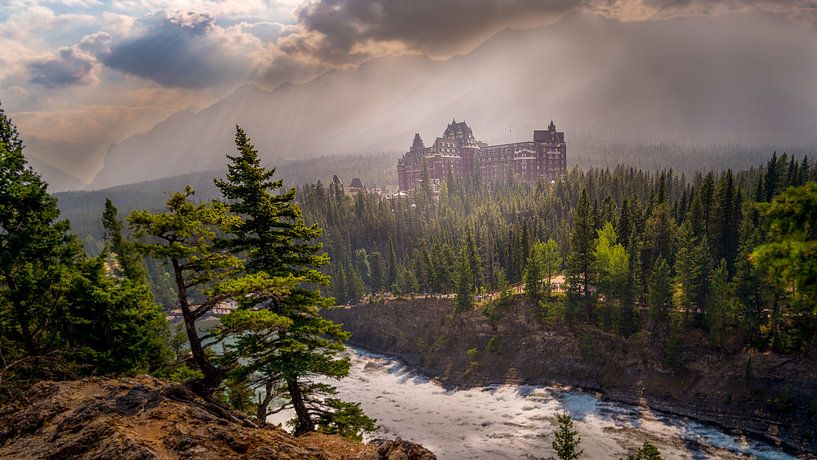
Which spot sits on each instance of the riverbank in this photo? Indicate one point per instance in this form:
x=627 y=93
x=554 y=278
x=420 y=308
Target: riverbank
x=776 y=400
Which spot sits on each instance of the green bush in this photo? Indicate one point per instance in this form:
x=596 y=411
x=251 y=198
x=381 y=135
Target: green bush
x=493 y=344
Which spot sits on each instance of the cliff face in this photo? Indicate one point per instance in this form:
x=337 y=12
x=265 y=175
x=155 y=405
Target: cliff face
x=776 y=399
x=144 y=418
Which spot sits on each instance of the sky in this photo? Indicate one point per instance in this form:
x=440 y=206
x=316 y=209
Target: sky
x=79 y=75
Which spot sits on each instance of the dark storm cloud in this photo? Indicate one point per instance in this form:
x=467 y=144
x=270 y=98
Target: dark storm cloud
x=177 y=51
x=340 y=32
x=71 y=66
x=429 y=26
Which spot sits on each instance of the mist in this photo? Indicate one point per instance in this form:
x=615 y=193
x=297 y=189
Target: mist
x=740 y=78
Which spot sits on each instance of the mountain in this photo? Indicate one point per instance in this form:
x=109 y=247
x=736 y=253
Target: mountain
x=58 y=180
x=744 y=79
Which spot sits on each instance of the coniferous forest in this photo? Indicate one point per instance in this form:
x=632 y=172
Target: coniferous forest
x=729 y=253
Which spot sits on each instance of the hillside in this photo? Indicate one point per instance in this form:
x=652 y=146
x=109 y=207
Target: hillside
x=687 y=81
x=774 y=400
x=145 y=418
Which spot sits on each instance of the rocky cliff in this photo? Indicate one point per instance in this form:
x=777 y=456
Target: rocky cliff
x=144 y=418
x=764 y=395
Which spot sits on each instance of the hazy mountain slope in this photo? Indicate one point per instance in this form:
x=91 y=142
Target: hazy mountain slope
x=293 y=121
x=58 y=180
x=740 y=78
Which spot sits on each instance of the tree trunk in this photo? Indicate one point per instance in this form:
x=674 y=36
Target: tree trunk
x=212 y=376
x=305 y=423
x=263 y=404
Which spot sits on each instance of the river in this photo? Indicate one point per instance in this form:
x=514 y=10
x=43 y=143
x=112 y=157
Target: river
x=517 y=421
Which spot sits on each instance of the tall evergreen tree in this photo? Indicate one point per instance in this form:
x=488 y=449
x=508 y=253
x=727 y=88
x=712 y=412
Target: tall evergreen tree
x=465 y=290
x=659 y=292
x=551 y=263
x=580 y=257
x=533 y=275
x=719 y=312
x=129 y=262
x=283 y=314
x=691 y=270
x=725 y=221
x=36 y=250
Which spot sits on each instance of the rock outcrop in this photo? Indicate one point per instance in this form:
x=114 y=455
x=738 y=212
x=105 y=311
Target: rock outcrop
x=143 y=418
x=760 y=394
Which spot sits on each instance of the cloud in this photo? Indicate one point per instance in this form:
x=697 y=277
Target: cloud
x=346 y=30
x=633 y=10
x=185 y=49
x=71 y=66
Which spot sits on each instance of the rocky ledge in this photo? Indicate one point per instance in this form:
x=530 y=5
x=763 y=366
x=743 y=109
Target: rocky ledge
x=143 y=418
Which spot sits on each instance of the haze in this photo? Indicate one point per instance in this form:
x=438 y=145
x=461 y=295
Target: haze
x=117 y=92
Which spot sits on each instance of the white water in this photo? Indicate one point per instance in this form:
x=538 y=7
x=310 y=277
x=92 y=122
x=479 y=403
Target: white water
x=510 y=421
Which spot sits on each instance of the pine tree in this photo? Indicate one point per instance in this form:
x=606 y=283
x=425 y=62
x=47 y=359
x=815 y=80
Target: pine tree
x=566 y=439
x=391 y=273
x=551 y=263
x=61 y=315
x=691 y=270
x=751 y=290
x=282 y=271
x=646 y=452
x=659 y=292
x=788 y=258
x=580 y=257
x=362 y=265
x=354 y=285
x=503 y=286
x=378 y=276
x=465 y=290
x=474 y=259
x=533 y=275
x=184 y=235
x=725 y=221
x=130 y=262
x=721 y=304
x=36 y=250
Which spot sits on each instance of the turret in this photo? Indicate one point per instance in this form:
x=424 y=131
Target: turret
x=418 y=142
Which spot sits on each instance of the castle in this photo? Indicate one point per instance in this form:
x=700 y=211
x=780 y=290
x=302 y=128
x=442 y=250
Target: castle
x=460 y=153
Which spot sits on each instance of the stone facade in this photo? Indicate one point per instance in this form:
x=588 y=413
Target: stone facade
x=459 y=152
